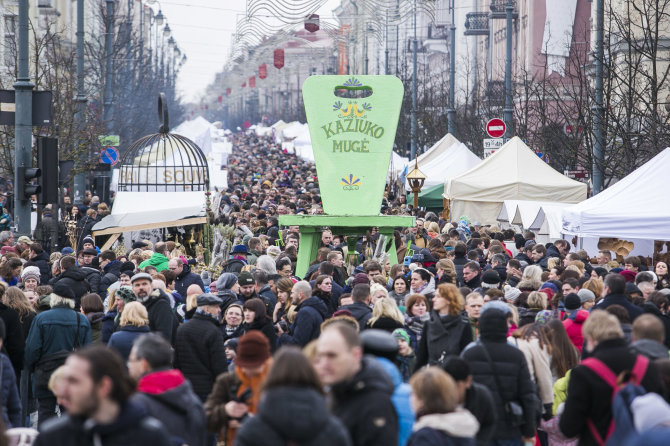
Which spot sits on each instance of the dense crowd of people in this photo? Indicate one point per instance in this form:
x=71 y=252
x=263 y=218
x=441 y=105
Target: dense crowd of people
x=478 y=335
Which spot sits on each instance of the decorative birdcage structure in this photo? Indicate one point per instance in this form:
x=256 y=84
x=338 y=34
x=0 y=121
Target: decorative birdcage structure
x=163 y=162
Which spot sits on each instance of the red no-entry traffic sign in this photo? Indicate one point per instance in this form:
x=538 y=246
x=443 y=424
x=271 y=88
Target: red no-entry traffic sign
x=495 y=128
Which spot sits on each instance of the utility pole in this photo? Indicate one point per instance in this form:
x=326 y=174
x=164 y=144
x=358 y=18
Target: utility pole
x=80 y=105
x=23 y=117
x=386 y=46
x=109 y=79
x=598 y=109
x=414 y=81
x=509 y=108
x=451 y=111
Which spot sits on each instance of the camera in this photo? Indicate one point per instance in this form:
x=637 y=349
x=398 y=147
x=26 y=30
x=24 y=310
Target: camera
x=283 y=325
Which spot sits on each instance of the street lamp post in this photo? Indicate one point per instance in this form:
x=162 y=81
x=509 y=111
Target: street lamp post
x=414 y=93
x=451 y=111
x=598 y=109
x=415 y=179
x=509 y=109
x=80 y=104
x=23 y=138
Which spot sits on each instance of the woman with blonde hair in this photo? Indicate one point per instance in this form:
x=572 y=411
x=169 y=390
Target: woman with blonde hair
x=377 y=292
x=134 y=323
x=386 y=316
x=537 y=301
x=446 y=332
x=446 y=271
x=16 y=299
x=439 y=421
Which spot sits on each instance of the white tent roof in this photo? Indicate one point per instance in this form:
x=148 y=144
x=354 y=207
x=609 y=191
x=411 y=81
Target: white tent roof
x=514 y=172
x=637 y=207
x=450 y=162
x=302 y=145
x=397 y=163
x=434 y=152
x=293 y=130
x=548 y=220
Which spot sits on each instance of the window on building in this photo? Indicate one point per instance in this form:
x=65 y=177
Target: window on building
x=9 y=47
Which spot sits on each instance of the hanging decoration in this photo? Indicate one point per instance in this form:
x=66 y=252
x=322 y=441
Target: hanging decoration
x=228 y=91
x=252 y=82
x=263 y=71
x=312 y=23
x=279 y=58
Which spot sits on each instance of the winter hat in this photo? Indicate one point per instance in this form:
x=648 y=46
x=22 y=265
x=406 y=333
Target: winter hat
x=140 y=276
x=239 y=249
x=490 y=279
x=549 y=285
x=126 y=294
x=628 y=275
x=529 y=243
x=273 y=251
x=253 y=349
x=63 y=291
x=497 y=304
x=549 y=292
x=231 y=344
x=342 y=313
x=511 y=293
x=128 y=268
x=67 y=250
x=87 y=239
x=206 y=278
x=586 y=295
x=226 y=281
x=30 y=272
x=245 y=278
x=542 y=317
x=572 y=302
x=631 y=288
x=361 y=278
x=493 y=324
x=207 y=299
x=400 y=333
x=602 y=272
x=649 y=411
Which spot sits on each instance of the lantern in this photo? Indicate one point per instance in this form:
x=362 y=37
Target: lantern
x=263 y=71
x=244 y=84
x=279 y=58
x=416 y=178
x=252 y=82
x=312 y=23
x=228 y=91
x=220 y=98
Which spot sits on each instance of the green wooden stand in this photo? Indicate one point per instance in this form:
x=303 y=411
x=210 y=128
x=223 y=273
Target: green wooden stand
x=311 y=226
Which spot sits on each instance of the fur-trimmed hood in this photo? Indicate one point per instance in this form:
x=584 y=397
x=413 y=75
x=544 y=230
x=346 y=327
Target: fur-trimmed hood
x=460 y=423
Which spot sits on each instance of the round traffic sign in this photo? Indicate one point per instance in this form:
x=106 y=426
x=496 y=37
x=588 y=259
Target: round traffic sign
x=109 y=155
x=495 y=128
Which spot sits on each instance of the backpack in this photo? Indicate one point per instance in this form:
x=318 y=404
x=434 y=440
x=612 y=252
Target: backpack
x=621 y=426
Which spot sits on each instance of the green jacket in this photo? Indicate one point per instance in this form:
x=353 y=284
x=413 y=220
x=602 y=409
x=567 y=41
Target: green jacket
x=158 y=260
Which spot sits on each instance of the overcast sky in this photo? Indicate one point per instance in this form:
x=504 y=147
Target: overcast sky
x=202 y=30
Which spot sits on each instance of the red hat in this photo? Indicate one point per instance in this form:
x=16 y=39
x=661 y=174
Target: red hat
x=628 y=275
x=549 y=292
x=253 y=349
x=361 y=278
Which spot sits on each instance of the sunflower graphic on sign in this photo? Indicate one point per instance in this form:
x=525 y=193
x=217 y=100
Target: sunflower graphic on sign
x=352 y=182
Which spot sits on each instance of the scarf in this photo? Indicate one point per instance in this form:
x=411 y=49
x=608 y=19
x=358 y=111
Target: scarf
x=249 y=382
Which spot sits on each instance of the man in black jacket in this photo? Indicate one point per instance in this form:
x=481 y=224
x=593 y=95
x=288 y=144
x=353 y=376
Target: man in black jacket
x=46 y=231
x=360 y=309
x=90 y=267
x=41 y=259
x=311 y=313
x=472 y=277
x=199 y=352
x=111 y=270
x=614 y=291
x=164 y=391
x=99 y=408
x=502 y=369
x=161 y=318
x=185 y=277
x=589 y=398
x=360 y=389
x=473 y=397
x=72 y=277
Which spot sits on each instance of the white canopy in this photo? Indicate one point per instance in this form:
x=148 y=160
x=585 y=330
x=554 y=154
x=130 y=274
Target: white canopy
x=637 y=207
x=514 y=172
x=434 y=152
x=292 y=130
x=302 y=145
x=398 y=163
x=451 y=162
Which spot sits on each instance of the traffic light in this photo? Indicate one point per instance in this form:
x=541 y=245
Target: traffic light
x=47 y=161
x=26 y=188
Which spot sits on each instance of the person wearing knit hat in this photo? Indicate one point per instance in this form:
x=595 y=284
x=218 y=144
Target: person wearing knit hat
x=511 y=293
x=360 y=278
x=544 y=316
x=628 y=275
x=30 y=277
x=587 y=298
x=236 y=394
x=575 y=320
x=572 y=302
x=490 y=279
x=274 y=251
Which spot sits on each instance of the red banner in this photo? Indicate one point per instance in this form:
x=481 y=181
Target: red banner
x=244 y=84
x=263 y=71
x=252 y=82
x=220 y=98
x=343 y=51
x=279 y=58
x=228 y=91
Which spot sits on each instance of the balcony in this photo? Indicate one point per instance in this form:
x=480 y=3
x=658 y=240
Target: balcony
x=498 y=9
x=476 y=24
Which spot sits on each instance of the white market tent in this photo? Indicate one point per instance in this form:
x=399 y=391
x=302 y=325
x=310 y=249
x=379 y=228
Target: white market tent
x=302 y=145
x=450 y=162
x=637 y=207
x=397 y=164
x=513 y=172
x=293 y=130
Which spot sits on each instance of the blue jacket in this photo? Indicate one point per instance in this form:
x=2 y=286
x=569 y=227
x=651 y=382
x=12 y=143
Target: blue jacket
x=619 y=299
x=11 y=403
x=122 y=340
x=185 y=279
x=108 y=325
x=307 y=325
x=400 y=400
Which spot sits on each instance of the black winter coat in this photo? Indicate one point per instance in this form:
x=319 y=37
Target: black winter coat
x=619 y=299
x=75 y=279
x=15 y=342
x=133 y=427
x=176 y=406
x=307 y=324
x=442 y=335
x=509 y=364
x=479 y=401
x=94 y=278
x=361 y=312
x=185 y=279
x=276 y=422
x=650 y=308
x=41 y=260
x=122 y=340
x=199 y=353
x=108 y=325
x=364 y=406
x=589 y=397
x=111 y=274
x=265 y=326
x=161 y=318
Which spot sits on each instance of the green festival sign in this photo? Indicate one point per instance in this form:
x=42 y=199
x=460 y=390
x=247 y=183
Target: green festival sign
x=352 y=123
